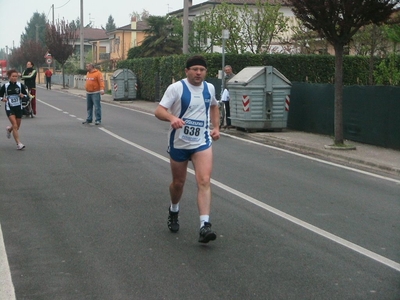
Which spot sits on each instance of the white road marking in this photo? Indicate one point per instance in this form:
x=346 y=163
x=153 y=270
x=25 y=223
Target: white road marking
x=6 y=286
x=129 y=108
x=49 y=105
x=379 y=258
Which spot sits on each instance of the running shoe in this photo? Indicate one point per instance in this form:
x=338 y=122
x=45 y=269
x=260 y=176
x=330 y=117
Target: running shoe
x=20 y=146
x=8 y=132
x=97 y=123
x=206 y=234
x=173 y=222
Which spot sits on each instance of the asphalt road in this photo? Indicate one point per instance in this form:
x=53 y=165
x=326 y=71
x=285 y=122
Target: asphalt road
x=83 y=215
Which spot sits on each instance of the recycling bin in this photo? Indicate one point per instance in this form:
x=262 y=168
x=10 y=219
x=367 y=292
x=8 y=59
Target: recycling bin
x=259 y=99
x=124 y=85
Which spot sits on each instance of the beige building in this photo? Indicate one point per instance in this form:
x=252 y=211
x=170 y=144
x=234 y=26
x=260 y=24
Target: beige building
x=124 y=38
x=95 y=40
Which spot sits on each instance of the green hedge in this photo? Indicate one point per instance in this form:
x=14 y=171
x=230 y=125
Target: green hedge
x=155 y=74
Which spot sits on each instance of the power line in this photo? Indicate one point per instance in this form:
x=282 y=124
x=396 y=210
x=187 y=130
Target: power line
x=49 y=12
x=63 y=5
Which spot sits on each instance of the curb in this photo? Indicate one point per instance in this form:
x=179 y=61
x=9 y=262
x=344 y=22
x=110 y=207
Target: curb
x=333 y=155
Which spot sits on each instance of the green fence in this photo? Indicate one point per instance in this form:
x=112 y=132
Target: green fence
x=371 y=114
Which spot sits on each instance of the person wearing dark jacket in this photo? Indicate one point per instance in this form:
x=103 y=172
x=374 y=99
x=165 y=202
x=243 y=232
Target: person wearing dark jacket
x=29 y=77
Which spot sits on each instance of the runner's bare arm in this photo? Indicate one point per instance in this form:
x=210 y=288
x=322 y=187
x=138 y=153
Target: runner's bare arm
x=163 y=114
x=214 y=115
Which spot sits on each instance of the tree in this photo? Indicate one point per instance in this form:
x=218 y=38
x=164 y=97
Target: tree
x=35 y=29
x=110 y=24
x=16 y=59
x=198 y=36
x=262 y=25
x=3 y=53
x=212 y=22
x=163 y=37
x=388 y=71
x=338 y=21
x=29 y=51
x=393 y=34
x=304 y=41
x=140 y=16
x=135 y=52
x=75 y=24
x=371 y=40
x=251 y=27
x=34 y=51
x=60 y=40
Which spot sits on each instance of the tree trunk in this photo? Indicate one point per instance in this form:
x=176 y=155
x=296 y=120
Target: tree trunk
x=338 y=94
x=63 y=76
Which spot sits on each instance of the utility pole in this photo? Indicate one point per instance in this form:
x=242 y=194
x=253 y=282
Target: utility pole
x=81 y=40
x=185 y=46
x=225 y=36
x=8 y=66
x=54 y=61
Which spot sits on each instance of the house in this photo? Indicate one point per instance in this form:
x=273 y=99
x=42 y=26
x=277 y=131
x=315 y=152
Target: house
x=112 y=45
x=95 y=40
x=123 y=38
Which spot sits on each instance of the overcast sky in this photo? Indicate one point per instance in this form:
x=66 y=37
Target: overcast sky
x=17 y=13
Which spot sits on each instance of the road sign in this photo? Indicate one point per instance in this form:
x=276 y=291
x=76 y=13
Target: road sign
x=49 y=61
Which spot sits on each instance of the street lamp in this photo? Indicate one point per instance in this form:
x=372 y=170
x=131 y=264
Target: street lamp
x=225 y=36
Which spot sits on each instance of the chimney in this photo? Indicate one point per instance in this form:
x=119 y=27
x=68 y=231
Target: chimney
x=133 y=22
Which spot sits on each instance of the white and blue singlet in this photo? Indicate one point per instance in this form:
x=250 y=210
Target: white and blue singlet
x=191 y=104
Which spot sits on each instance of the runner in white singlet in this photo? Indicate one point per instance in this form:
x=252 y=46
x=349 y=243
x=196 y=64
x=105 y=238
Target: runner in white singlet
x=190 y=106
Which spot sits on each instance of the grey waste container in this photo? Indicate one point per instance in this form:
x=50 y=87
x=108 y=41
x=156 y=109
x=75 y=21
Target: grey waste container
x=259 y=99
x=124 y=85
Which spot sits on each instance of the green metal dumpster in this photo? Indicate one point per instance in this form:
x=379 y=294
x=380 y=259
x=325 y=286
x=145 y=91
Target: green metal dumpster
x=124 y=85
x=259 y=99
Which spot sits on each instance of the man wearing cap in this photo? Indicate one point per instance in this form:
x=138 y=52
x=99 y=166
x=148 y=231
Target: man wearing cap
x=190 y=105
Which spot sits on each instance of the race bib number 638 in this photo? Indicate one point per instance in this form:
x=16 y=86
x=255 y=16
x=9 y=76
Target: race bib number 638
x=192 y=131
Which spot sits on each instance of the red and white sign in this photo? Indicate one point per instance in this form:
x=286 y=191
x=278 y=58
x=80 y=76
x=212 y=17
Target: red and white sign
x=115 y=87
x=287 y=102
x=246 y=103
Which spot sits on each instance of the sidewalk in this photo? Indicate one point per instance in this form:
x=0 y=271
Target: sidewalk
x=365 y=156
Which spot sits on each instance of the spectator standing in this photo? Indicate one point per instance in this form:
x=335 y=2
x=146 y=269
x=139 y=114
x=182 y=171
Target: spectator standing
x=228 y=75
x=48 y=74
x=189 y=105
x=225 y=98
x=29 y=77
x=94 y=89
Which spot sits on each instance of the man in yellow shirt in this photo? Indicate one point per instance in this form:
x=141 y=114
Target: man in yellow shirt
x=94 y=89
